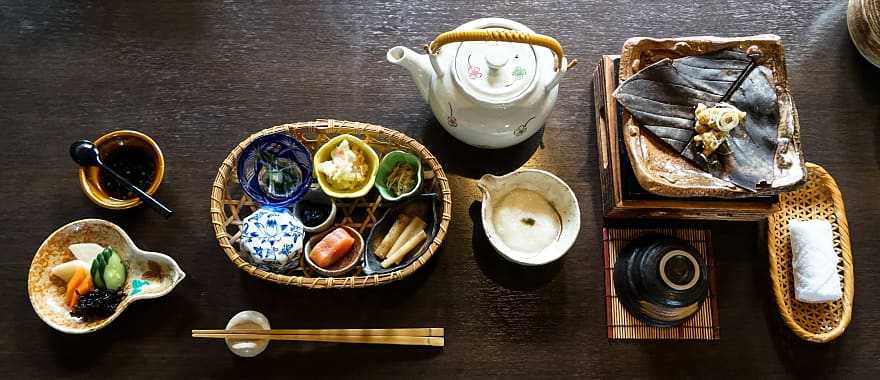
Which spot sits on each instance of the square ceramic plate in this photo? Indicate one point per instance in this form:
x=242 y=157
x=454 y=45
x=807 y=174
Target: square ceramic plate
x=663 y=171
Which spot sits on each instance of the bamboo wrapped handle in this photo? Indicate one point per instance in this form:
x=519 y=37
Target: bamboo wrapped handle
x=495 y=34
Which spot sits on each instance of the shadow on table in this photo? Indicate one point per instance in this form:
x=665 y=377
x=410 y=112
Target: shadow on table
x=325 y=360
x=505 y=273
x=264 y=295
x=472 y=162
x=870 y=80
x=169 y=316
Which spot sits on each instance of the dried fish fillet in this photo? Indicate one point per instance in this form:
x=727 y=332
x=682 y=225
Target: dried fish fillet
x=662 y=98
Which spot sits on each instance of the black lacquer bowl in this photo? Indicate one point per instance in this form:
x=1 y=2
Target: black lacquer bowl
x=661 y=280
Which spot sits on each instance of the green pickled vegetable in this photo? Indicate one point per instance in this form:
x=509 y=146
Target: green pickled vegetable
x=97 y=269
x=108 y=271
x=114 y=273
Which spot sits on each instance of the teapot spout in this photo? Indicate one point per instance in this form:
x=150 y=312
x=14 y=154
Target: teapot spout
x=419 y=67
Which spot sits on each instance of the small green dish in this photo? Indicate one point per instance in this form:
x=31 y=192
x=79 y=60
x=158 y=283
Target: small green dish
x=387 y=165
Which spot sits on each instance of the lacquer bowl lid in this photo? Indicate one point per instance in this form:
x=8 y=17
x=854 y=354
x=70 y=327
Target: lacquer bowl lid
x=661 y=280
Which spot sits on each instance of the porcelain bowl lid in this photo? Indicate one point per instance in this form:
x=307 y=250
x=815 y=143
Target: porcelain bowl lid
x=495 y=72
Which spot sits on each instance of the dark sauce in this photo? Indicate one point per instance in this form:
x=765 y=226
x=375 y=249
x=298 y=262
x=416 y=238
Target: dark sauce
x=132 y=162
x=313 y=214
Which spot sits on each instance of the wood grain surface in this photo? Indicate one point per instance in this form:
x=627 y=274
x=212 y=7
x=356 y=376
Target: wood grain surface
x=199 y=77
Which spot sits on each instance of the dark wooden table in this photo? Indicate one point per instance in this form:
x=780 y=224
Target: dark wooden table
x=201 y=77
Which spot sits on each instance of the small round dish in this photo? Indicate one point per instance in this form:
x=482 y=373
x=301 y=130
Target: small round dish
x=315 y=195
x=345 y=264
x=386 y=166
x=323 y=154
x=275 y=156
x=555 y=191
x=90 y=177
x=248 y=320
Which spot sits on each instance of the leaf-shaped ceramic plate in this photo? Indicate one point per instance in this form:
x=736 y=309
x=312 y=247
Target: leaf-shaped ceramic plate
x=424 y=206
x=150 y=274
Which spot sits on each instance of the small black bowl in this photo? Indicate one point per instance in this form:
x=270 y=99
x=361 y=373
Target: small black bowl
x=661 y=280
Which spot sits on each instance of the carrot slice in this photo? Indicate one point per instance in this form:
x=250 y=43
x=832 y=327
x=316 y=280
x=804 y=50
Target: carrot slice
x=72 y=285
x=84 y=286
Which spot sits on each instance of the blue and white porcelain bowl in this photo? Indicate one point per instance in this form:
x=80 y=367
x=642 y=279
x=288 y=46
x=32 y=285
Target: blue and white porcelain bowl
x=272 y=239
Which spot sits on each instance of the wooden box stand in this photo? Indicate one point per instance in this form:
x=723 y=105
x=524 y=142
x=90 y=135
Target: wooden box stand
x=623 y=197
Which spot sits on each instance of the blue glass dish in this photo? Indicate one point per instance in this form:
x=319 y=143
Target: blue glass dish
x=275 y=170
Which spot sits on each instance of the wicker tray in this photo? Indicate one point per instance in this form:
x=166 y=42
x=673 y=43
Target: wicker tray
x=819 y=198
x=229 y=205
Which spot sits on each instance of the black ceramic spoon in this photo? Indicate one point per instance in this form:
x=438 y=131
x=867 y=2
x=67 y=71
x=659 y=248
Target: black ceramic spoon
x=85 y=153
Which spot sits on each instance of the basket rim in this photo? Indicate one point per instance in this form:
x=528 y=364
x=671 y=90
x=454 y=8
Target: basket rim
x=826 y=182
x=224 y=173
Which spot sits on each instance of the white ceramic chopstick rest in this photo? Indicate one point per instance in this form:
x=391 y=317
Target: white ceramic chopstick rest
x=250 y=320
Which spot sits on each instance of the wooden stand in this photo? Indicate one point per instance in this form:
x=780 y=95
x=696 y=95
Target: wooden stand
x=623 y=197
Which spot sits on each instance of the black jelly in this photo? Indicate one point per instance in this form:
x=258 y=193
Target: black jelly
x=132 y=162
x=313 y=214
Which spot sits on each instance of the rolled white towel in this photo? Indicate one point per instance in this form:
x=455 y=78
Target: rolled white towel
x=814 y=263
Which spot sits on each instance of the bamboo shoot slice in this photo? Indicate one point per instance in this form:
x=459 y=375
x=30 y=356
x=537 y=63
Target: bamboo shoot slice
x=392 y=236
x=415 y=225
x=395 y=257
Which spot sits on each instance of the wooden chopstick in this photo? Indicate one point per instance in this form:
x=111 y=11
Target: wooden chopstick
x=370 y=339
x=418 y=332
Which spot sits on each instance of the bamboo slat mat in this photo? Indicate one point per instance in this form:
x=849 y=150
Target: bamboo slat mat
x=621 y=325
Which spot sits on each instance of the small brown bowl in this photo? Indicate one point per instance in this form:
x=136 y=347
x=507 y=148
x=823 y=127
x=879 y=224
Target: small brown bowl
x=346 y=263
x=90 y=178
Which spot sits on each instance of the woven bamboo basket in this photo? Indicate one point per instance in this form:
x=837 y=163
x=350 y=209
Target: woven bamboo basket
x=229 y=205
x=819 y=198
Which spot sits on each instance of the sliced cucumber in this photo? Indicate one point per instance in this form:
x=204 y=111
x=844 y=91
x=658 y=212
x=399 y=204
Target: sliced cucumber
x=109 y=251
x=114 y=272
x=96 y=271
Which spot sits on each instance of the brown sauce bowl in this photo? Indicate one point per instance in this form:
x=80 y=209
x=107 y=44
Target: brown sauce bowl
x=90 y=177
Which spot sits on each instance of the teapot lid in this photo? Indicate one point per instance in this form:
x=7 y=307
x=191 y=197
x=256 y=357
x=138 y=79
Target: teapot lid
x=495 y=72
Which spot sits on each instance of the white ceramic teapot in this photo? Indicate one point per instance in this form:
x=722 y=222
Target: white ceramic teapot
x=491 y=82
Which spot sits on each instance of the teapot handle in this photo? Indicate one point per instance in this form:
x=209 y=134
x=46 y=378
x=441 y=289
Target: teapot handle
x=496 y=34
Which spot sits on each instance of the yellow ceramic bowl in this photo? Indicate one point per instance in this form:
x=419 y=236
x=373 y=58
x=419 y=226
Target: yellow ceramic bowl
x=323 y=154
x=90 y=178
